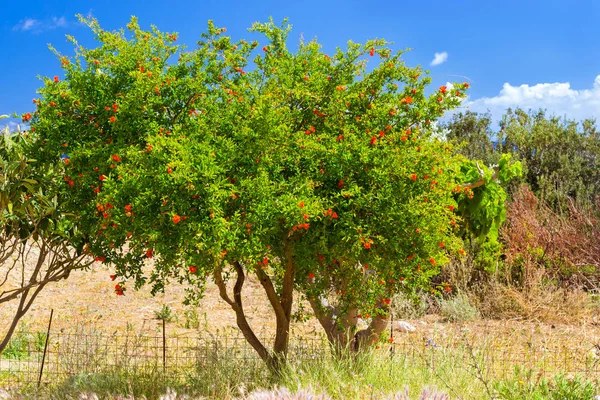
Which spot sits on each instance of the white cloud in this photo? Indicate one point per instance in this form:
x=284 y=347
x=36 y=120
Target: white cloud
x=58 y=22
x=26 y=24
x=557 y=98
x=439 y=58
x=37 y=26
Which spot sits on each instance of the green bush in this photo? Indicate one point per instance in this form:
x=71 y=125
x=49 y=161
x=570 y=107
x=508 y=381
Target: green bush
x=458 y=309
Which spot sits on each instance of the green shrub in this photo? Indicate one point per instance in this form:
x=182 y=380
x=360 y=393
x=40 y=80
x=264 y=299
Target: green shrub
x=458 y=309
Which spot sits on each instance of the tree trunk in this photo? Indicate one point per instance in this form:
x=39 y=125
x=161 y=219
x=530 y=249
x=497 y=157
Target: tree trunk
x=340 y=330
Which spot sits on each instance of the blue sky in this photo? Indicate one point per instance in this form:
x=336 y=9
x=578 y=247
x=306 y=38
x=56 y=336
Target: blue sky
x=532 y=54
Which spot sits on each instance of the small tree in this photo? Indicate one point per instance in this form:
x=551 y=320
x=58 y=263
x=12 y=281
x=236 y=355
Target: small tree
x=305 y=170
x=38 y=244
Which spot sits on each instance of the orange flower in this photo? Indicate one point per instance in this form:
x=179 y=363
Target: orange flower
x=193 y=269
x=176 y=219
x=116 y=158
x=443 y=89
x=56 y=79
x=413 y=177
x=301 y=204
x=112 y=119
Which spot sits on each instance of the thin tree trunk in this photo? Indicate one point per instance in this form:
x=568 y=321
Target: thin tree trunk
x=236 y=305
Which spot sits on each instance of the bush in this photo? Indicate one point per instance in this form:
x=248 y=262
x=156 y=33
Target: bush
x=458 y=309
x=407 y=306
x=524 y=386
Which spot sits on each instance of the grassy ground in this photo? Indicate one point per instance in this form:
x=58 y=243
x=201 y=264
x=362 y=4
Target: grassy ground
x=464 y=363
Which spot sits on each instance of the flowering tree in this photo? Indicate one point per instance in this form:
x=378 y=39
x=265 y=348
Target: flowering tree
x=305 y=170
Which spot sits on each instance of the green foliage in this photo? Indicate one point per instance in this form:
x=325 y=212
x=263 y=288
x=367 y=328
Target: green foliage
x=205 y=163
x=525 y=386
x=559 y=157
x=23 y=343
x=18 y=346
x=458 y=309
x=165 y=314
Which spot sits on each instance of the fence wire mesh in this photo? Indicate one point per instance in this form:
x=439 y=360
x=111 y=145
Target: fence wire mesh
x=70 y=356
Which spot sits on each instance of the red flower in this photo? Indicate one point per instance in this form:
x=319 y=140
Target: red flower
x=176 y=219
x=306 y=226
x=334 y=215
x=100 y=207
x=113 y=277
x=441 y=244
x=340 y=137
x=169 y=170
x=71 y=183
x=118 y=290
x=192 y=269
x=149 y=253
x=413 y=177
x=462 y=252
x=105 y=215
x=301 y=204
x=448 y=289
x=432 y=261
x=100 y=259
x=102 y=177
x=443 y=89
x=26 y=117
x=451 y=208
x=305 y=216
x=56 y=79
x=373 y=141
x=116 y=158
x=96 y=62
x=112 y=119
x=265 y=48
x=311 y=276
x=381 y=134
x=466 y=85
x=439 y=99
x=367 y=245
x=128 y=208
x=115 y=107
x=372 y=52
x=340 y=184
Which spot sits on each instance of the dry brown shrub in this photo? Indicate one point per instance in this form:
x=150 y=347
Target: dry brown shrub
x=545 y=303
x=542 y=245
x=552 y=262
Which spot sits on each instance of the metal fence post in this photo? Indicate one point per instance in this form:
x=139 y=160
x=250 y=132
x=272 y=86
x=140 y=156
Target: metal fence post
x=164 y=347
x=45 y=347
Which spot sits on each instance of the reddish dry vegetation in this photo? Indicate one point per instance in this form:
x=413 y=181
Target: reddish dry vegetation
x=551 y=264
x=565 y=246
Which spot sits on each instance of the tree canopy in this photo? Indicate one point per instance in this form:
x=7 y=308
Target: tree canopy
x=310 y=171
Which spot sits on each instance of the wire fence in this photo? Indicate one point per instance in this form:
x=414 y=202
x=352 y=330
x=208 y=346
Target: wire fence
x=70 y=356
